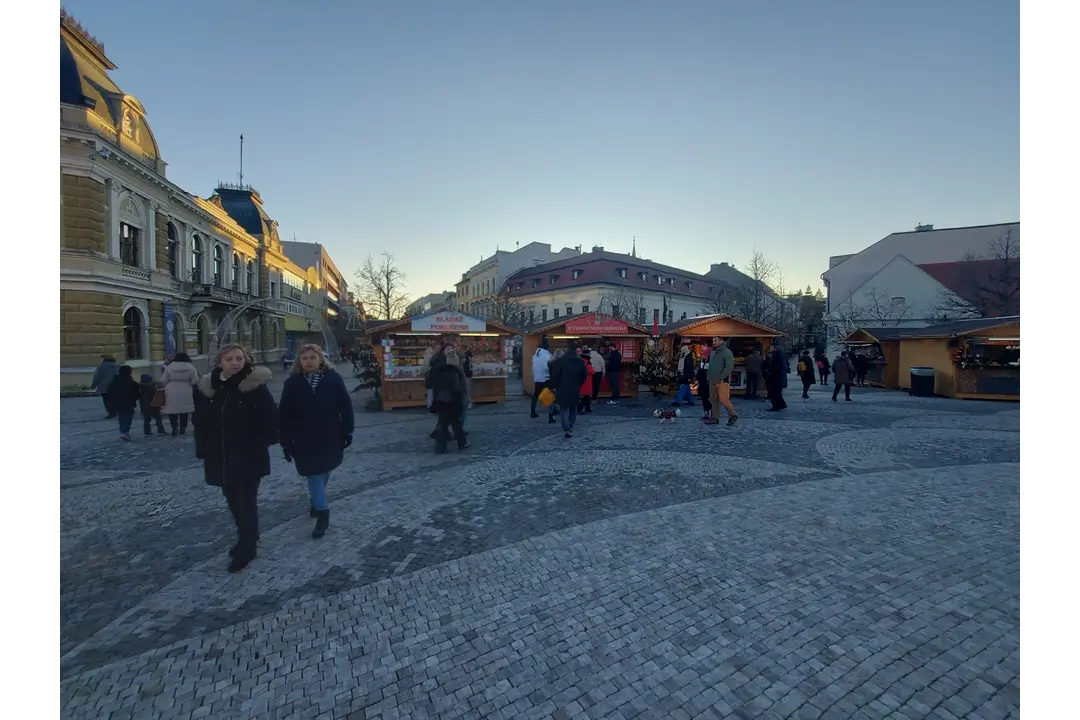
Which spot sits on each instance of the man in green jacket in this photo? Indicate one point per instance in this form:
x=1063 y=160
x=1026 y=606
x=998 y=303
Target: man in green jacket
x=721 y=365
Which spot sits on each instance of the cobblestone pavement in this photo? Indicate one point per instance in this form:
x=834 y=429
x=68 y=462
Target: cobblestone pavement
x=838 y=560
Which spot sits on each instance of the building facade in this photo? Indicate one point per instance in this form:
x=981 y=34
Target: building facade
x=147 y=269
x=480 y=287
x=329 y=290
x=434 y=302
x=625 y=286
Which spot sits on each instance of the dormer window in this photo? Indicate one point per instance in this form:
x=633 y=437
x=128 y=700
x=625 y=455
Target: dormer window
x=552 y=279
x=576 y=274
x=644 y=276
x=536 y=282
x=520 y=285
x=622 y=273
x=659 y=279
x=689 y=285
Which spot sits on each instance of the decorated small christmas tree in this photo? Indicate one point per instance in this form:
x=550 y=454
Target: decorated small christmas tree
x=654 y=369
x=368 y=371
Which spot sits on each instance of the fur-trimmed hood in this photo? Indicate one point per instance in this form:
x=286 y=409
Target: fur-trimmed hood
x=258 y=377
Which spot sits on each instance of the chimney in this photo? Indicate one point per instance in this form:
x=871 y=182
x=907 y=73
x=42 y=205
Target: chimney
x=578 y=248
x=598 y=248
x=919 y=227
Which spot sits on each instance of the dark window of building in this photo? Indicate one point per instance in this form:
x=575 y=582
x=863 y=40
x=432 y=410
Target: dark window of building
x=584 y=308
x=129 y=245
x=174 y=252
x=196 y=259
x=133 y=334
x=235 y=271
x=219 y=266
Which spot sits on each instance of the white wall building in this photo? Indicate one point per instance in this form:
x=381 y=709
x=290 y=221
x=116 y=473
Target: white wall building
x=479 y=286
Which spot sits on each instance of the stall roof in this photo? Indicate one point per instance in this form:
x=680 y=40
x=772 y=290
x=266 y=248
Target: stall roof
x=546 y=325
x=406 y=323
x=755 y=330
x=945 y=330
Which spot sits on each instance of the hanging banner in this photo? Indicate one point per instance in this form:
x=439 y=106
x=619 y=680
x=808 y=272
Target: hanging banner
x=596 y=325
x=444 y=322
x=170 y=330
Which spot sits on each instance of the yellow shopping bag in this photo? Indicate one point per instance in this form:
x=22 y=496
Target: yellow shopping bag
x=546 y=397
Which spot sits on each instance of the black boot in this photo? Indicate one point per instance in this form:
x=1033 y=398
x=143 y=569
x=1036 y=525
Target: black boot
x=321 y=524
x=312 y=512
x=240 y=561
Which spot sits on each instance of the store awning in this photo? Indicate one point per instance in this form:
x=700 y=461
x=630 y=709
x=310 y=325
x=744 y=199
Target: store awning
x=718 y=325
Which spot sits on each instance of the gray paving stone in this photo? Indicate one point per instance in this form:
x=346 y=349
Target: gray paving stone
x=853 y=561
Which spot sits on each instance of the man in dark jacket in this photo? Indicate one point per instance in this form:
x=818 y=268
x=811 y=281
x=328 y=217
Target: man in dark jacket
x=447 y=383
x=124 y=396
x=103 y=376
x=753 y=374
x=568 y=374
x=805 y=369
x=774 y=371
x=843 y=372
x=613 y=366
x=862 y=365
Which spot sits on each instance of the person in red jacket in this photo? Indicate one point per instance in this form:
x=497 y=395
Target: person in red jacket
x=585 y=404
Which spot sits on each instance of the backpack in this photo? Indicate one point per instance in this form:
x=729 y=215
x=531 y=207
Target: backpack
x=802 y=366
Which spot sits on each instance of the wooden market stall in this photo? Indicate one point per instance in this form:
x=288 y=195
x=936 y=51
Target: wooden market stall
x=587 y=329
x=881 y=345
x=741 y=336
x=972 y=359
x=401 y=347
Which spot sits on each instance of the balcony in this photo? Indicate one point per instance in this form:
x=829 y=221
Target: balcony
x=134 y=273
x=213 y=293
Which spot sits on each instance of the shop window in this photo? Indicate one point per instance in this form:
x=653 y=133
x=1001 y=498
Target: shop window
x=133 y=334
x=129 y=245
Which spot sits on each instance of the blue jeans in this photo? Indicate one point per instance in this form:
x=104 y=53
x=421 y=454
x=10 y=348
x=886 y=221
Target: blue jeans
x=316 y=485
x=683 y=395
x=568 y=416
x=126 y=416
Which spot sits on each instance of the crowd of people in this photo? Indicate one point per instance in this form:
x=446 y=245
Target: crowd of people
x=236 y=418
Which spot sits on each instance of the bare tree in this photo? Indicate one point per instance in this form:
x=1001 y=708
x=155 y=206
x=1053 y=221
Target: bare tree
x=873 y=308
x=988 y=285
x=508 y=311
x=380 y=285
x=758 y=300
x=622 y=302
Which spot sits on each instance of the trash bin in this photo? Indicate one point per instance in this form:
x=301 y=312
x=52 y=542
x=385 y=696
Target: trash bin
x=922 y=381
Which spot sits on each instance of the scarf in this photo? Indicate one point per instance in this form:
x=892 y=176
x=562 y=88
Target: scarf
x=313 y=379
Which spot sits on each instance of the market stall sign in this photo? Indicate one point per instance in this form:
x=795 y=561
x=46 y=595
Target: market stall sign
x=597 y=325
x=448 y=323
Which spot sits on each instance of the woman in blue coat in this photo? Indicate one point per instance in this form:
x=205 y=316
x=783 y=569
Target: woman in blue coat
x=316 y=426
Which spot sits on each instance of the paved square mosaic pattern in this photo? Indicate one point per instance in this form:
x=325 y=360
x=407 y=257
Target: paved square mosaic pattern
x=836 y=560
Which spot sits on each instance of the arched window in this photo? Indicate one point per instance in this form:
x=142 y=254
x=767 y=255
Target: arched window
x=203 y=326
x=236 y=271
x=174 y=253
x=133 y=334
x=251 y=277
x=196 y=259
x=219 y=266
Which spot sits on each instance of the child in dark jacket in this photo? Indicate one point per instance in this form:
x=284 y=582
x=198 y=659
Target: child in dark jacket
x=124 y=393
x=147 y=390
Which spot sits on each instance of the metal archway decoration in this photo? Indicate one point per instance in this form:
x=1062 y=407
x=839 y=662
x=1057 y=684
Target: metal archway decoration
x=228 y=323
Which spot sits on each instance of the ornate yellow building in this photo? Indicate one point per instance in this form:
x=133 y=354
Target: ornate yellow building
x=139 y=255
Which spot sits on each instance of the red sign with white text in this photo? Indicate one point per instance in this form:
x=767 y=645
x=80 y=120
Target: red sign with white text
x=597 y=325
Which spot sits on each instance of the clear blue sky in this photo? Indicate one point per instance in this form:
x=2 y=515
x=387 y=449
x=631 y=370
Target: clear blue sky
x=439 y=130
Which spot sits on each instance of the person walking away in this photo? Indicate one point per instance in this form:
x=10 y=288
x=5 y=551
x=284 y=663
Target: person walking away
x=452 y=358
x=179 y=377
x=124 y=396
x=148 y=390
x=614 y=373
x=585 y=403
x=448 y=390
x=540 y=360
x=568 y=375
x=703 y=388
x=236 y=422
x=862 y=365
x=315 y=425
x=596 y=356
x=686 y=377
x=805 y=368
x=774 y=372
x=752 y=363
x=823 y=369
x=103 y=376
x=843 y=372
x=721 y=365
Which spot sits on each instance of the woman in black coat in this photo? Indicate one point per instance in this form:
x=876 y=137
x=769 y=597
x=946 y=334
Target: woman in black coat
x=317 y=422
x=235 y=425
x=449 y=392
